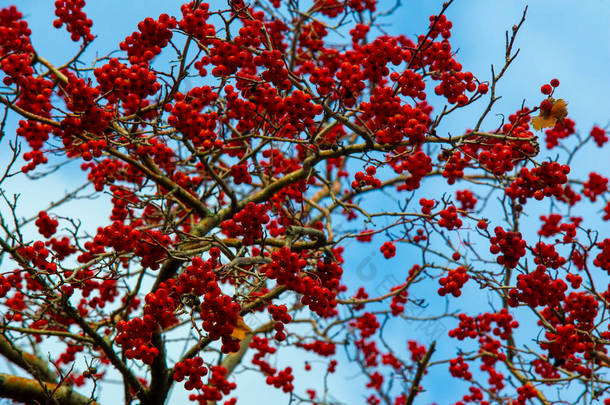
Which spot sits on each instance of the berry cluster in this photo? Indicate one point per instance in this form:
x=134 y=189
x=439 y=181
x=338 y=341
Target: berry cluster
x=417 y=351
x=418 y=165
x=37 y=254
x=279 y=313
x=397 y=305
x=134 y=336
x=282 y=379
x=368 y=179
x=467 y=199
x=129 y=84
x=388 y=249
x=426 y=206
x=599 y=136
x=543 y=181
x=547 y=255
x=561 y=130
x=367 y=324
x=217 y=386
x=459 y=368
x=193 y=369
x=537 y=289
x=449 y=218
x=595 y=186
x=453 y=283
x=509 y=244
x=153 y=36
x=70 y=12
x=454 y=167
x=47 y=226
x=247 y=223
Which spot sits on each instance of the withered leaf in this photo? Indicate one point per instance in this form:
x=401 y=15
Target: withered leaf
x=241 y=329
x=549 y=117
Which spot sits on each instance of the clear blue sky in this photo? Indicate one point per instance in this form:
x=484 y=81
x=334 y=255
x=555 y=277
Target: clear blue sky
x=566 y=39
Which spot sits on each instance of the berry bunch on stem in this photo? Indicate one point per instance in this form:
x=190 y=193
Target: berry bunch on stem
x=249 y=158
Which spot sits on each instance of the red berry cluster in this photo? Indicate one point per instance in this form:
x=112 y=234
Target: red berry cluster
x=300 y=110
x=318 y=293
x=574 y=279
x=548 y=89
x=368 y=179
x=161 y=305
x=595 y=186
x=395 y=122
x=449 y=218
x=459 y=368
x=62 y=247
x=476 y=396
x=397 y=305
x=217 y=386
x=37 y=254
x=220 y=314
x=547 y=255
x=550 y=225
x=388 y=249
x=279 y=313
x=375 y=382
x=69 y=355
x=527 y=391
x=149 y=245
x=47 y=226
x=362 y=5
x=561 y=130
x=602 y=260
x=564 y=341
x=367 y=324
x=194 y=22
x=261 y=345
x=330 y=8
x=390 y=360
x=454 y=85
x=193 y=369
x=426 y=205
x=418 y=165
x=482 y=325
x=453 y=283
x=417 y=351
x=70 y=12
x=129 y=84
x=365 y=235
x=134 y=336
x=14 y=32
x=410 y=84
x=153 y=36
x=276 y=72
x=282 y=379
x=599 y=136
x=537 y=289
x=319 y=347
x=454 y=167
x=467 y=199
x=510 y=245
x=286 y=267
x=247 y=223
x=186 y=116
x=543 y=181
x=543 y=368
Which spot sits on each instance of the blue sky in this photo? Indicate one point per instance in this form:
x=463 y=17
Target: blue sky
x=564 y=39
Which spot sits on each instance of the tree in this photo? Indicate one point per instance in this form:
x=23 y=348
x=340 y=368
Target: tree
x=245 y=153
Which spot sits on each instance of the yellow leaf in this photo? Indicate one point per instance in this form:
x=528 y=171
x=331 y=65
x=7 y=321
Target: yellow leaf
x=540 y=122
x=549 y=117
x=241 y=329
